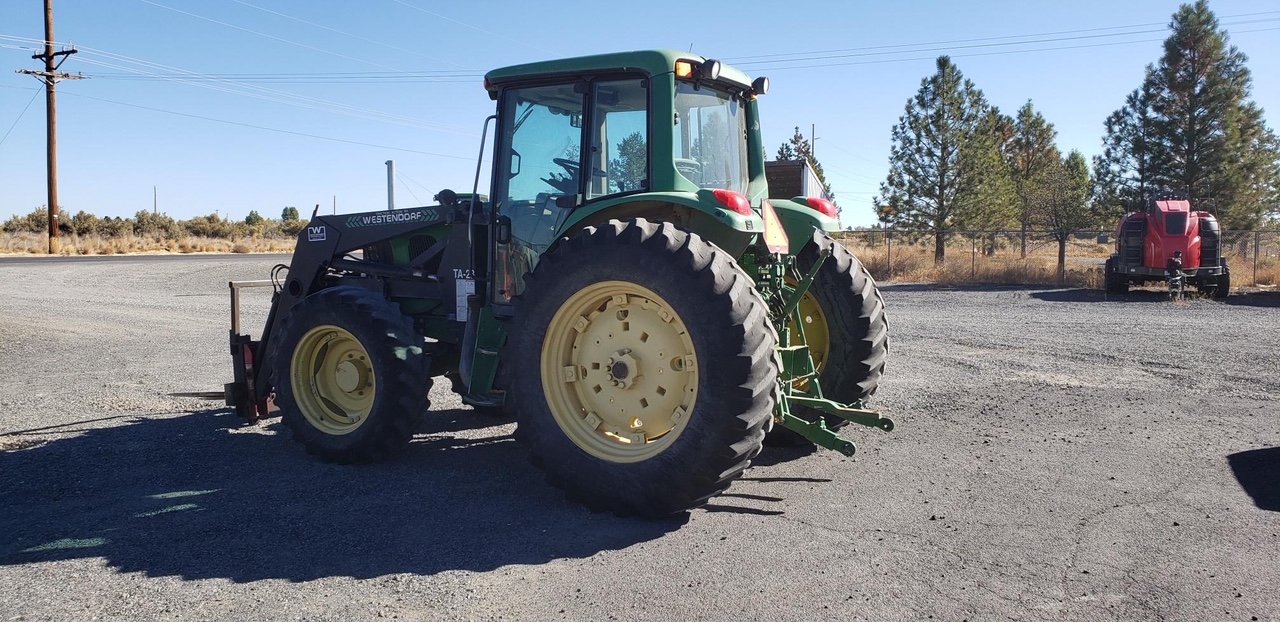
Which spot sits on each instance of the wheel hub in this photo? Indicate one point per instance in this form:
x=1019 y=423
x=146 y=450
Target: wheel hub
x=333 y=379
x=619 y=371
x=621 y=368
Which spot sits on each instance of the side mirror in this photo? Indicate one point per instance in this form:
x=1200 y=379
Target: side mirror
x=515 y=163
x=502 y=230
x=568 y=201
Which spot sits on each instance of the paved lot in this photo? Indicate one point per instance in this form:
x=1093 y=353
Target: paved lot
x=1059 y=456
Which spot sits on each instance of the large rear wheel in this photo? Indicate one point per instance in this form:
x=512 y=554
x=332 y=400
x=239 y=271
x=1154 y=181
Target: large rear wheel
x=643 y=368
x=845 y=328
x=350 y=375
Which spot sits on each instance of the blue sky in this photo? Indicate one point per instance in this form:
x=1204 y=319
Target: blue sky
x=308 y=107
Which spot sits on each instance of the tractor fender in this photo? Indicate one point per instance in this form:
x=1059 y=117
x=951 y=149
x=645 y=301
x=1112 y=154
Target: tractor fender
x=697 y=212
x=799 y=220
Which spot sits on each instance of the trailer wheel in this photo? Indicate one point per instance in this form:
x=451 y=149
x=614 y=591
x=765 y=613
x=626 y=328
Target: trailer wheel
x=642 y=368
x=1223 y=285
x=1115 y=282
x=350 y=375
x=845 y=327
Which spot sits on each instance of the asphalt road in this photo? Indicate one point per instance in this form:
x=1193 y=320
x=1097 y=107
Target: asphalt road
x=1058 y=456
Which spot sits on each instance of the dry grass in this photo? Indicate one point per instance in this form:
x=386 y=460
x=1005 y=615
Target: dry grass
x=915 y=264
x=1268 y=271
x=912 y=263
x=37 y=244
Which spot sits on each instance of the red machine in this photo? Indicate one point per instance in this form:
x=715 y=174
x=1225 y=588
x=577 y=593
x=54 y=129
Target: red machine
x=1145 y=240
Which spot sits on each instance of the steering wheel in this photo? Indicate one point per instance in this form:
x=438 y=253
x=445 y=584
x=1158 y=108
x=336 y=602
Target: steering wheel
x=688 y=167
x=569 y=165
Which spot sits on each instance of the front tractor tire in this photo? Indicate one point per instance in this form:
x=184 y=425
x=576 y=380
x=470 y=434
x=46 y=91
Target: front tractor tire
x=845 y=327
x=642 y=368
x=350 y=375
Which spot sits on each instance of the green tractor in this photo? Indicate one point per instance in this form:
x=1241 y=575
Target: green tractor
x=628 y=294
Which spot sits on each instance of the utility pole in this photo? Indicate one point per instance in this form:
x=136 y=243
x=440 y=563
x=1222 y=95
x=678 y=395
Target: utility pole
x=50 y=77
x=391 y=184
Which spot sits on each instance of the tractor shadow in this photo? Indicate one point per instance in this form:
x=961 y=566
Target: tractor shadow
x=1258 y=472
x=1152 y=295
x=199 y=496
x=1270 y=299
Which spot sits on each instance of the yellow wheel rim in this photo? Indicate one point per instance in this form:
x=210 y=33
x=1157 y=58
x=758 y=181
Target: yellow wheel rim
x=816 y=333
x=333 y=380
x=619 y=371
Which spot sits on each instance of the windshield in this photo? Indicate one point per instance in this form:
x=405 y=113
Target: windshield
x=711 y=138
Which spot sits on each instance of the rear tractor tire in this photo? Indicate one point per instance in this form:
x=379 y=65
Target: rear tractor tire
x=350 y=375
x=643 y=368
x=846 y=329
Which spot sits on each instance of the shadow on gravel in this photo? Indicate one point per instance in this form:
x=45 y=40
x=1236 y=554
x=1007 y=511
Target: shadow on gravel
x=1255 y=299
x=1133 y=296
x=1258 y=472
x=197 y=496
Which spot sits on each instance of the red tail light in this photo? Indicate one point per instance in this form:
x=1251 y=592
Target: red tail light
x=827 y=208
x=733 y=201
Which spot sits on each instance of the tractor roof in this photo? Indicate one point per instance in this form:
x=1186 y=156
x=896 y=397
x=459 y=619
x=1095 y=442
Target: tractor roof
x=652 y=62
x=1170 y=205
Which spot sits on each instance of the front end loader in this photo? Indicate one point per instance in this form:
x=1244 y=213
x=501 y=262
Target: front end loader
x=626 y=293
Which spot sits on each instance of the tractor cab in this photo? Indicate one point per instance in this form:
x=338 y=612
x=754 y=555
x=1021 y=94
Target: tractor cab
x=656 y=134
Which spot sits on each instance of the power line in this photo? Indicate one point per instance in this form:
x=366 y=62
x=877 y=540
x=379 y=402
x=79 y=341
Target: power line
x=20 y=114
x=290 y=99
x=263 y=34
x=815 y=55
x=307 y=78
x=406 y=187
x=270 y=129
x=980 y=54
x=480 y=30
x=253 y=91
x=345 y=34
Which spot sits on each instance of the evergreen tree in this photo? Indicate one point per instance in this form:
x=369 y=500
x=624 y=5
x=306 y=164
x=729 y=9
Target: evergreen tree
x=1123 y=172
x=627 y=171
x=1030 y=151
x=944 y=166
x=1191 y=128
x=253 y=219
x=1060 y=198
x=289 y=214
x=995 y=194
x=799 y=148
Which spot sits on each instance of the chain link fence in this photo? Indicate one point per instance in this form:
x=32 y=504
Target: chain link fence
x=998 y=256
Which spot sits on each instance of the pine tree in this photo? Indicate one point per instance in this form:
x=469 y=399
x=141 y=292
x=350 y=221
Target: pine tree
x=1123 y=172
x=799 y=148
x=627 y=171
x=1029 y=152
x=1060 y=201
x=944 y=166
x=1192 y=129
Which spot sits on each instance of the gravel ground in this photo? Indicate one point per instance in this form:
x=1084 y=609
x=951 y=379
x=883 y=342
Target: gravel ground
x=1058 y=456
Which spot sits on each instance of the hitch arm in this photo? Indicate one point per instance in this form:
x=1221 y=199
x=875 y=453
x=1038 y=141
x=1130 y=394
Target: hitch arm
x=817 y=430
